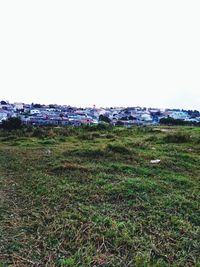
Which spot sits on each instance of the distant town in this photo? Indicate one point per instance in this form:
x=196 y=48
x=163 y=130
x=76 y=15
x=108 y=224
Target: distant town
x=52 y=114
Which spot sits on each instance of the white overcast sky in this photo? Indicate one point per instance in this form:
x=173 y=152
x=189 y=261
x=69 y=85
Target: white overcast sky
x=105 y=52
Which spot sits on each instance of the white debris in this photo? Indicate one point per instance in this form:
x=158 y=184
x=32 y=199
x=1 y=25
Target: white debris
x=155 y=161
x=48 y=152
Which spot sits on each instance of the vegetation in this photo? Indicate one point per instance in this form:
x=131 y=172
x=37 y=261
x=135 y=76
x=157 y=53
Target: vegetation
x=171 y=121
x=89 y=196
x=11 y=124
x=104 y=118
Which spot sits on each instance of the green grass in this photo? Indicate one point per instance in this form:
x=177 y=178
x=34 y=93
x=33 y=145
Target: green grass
x=89 y=196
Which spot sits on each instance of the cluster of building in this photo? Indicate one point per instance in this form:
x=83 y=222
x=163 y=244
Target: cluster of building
x=36 y=114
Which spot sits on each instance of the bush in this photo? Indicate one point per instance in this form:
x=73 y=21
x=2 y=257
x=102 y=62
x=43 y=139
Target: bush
x=8 y=138
x=177 y=138
x=102 y=127
x=104 y=118
x=64 y=131
x=12 y=124
x=119 y=123
x=117 y=149
x=85 y=137
x=171 y=121
x=89 y=153
x=39 y=133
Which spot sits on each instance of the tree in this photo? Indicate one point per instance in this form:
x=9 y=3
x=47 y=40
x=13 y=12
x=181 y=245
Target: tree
x=131 y=118
x=37 y=106
x=119 y=123
x=104 y=118
x=12 y=124
x=171 y=121
x=52 y=106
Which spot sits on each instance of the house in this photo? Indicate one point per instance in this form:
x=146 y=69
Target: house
x=18 y=106
x=3 y=115
x=146 y=117
x=179 y=115
x=34 y=111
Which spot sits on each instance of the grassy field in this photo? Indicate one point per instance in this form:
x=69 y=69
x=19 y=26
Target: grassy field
x=90 y=197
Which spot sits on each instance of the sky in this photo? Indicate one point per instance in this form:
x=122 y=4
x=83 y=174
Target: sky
x=102 y=52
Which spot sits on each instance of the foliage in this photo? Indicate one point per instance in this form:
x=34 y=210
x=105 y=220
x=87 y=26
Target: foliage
x=178 y=137
x=104 y=118
x=172 y=121
x=12 y=124
x=117 y=148
x=2 y=102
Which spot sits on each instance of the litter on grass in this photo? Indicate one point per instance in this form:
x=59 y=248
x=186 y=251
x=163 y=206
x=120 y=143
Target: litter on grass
x=155 y=161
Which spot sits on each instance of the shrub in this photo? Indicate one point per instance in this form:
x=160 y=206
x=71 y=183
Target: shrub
x=12 y=124
x=96 y=135
x=117 y=149
x=151 y=138
x=104 y=118
x=110 y=136
x=64 y=131
x=85 y=136
x=171 y=121
x=47 y=142
x=92 y=154
x=69 y=167
x=39 y=133
x=8 y=138
x=177 y=138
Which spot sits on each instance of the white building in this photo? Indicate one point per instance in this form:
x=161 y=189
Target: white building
x=34 y=111
x=3 y=116
x=18 y=106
